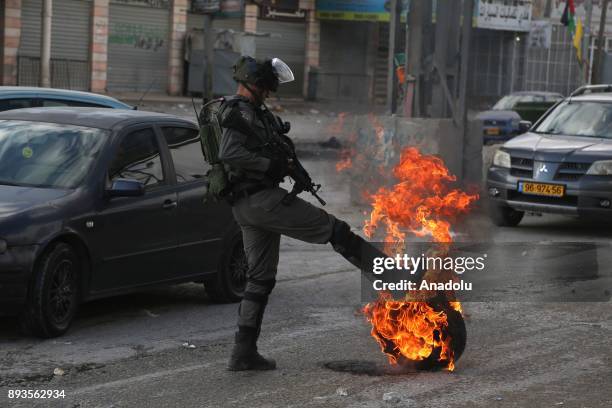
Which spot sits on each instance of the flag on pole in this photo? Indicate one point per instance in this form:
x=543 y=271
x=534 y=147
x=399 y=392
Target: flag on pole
x=578 y=40
x=568 y=17
x=576 y=30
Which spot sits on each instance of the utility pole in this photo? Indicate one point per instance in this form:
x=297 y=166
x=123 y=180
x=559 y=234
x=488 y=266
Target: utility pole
x=394 y=32
x=462 y=111
x=466 y=34
x=45 y=44
x=513 y=68
x=440 y=94
x=414 y=50
x=207 y=91
x=599 y=53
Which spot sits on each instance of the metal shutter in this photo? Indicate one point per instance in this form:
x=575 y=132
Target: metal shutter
x=70 y=39
x=343 y=61
x=138 y=48
x=288 y=44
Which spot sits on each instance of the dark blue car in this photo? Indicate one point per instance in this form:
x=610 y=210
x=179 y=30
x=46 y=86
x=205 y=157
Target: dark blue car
x=17 y=97
x=97 y=202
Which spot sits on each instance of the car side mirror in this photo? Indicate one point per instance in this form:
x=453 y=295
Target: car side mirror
x=126 y=188
x=524 y=126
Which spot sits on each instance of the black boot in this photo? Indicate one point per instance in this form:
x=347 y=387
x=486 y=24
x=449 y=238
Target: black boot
x=245 y=356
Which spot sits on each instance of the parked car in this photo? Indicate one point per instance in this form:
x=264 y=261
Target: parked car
x=18 y=97
x=502 y=122
x=562 y=165
x=98 y=202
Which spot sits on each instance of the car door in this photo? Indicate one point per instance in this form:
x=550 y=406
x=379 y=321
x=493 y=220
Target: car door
x=200 y=224
x=138 y=235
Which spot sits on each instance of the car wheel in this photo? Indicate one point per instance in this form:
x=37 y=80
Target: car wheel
x=504 y=216
x=53 y=298
x=230 y=280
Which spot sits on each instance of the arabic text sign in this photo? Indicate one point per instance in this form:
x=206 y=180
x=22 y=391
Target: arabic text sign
x=497 y=15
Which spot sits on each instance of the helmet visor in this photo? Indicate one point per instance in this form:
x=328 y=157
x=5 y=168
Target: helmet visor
x=283 y=72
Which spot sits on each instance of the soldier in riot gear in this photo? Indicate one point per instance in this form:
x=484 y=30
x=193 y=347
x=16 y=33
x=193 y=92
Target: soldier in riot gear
x=255 y=167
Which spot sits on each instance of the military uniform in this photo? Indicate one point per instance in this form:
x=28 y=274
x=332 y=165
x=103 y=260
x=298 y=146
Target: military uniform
x=254 y=173
x=263 y=218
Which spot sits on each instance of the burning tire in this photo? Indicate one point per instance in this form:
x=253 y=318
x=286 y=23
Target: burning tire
x=455 y=330
x=427 y=335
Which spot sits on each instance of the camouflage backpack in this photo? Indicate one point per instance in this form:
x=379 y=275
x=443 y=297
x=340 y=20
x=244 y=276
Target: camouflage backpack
x=210 y=139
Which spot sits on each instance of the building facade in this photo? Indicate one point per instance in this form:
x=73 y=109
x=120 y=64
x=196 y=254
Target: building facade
x=112 y=46
x=537 y=55
x=115 y=46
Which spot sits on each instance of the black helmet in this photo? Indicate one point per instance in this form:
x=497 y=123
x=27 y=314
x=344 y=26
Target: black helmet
x=265 y=74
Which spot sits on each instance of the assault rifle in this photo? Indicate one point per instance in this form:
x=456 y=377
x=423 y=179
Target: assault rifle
x=285 y=147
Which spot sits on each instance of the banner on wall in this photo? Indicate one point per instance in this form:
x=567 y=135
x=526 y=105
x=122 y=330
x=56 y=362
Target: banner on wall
x=357 y=10
x=504 y=15
x=540 y=34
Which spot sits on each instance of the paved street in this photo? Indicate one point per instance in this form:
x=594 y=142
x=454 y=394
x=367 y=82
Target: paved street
x=130 y=351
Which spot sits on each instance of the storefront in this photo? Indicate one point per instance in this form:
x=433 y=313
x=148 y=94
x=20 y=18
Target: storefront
x=70 y=42
x=138 y=46
x=354 y=50
x=287 y=41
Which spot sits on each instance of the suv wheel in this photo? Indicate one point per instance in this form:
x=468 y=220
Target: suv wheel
x=54 y=293
x=230 y=280
x=504 y=216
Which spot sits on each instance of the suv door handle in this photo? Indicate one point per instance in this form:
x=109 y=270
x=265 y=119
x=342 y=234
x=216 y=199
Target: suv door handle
x=169 y=204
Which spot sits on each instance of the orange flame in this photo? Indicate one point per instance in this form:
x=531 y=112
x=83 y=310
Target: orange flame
x=409 y=330
x=344 y=163
x=423 y=203
x=349 y=156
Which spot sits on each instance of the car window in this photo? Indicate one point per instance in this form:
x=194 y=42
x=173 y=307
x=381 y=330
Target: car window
x=575 y=118
x=184 y=145
x=138 y=158
x=39 y=154
x=16 y=103
x=48 y=103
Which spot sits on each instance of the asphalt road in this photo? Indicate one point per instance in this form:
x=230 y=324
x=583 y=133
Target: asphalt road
x=130 y=351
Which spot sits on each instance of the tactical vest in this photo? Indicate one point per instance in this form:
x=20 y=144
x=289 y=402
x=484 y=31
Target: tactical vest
x=231 y=112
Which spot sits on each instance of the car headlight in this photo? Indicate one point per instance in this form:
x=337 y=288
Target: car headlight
x=601 y=168
x=501 y=159
x=3 y=246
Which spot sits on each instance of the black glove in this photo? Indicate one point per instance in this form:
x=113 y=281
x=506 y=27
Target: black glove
x=278 y=169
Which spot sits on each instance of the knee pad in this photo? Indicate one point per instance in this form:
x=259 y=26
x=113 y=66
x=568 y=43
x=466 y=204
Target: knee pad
x=259 y=297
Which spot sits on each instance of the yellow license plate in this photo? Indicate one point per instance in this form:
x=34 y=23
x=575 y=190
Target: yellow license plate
x=550 y=190
x=492 y=131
